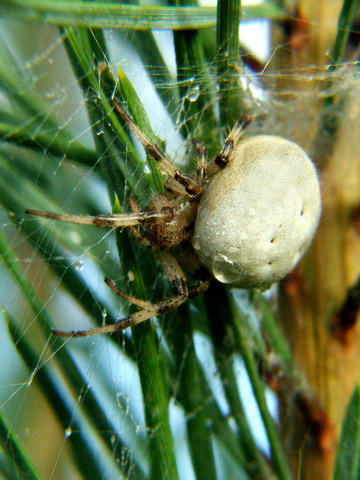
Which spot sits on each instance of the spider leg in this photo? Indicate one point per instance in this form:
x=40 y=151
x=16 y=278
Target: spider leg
x=201 y=160
x=174 y=273
x=122 y=324
x=223 y=158
x=110 y=221
x=144 y=304
x=135 y=229
x=191 y=185
x=148 y=309
x=165 y=306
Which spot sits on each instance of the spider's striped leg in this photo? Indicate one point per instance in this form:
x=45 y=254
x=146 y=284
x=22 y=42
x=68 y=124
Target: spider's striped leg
x=181 y=182
x=201 y=160
x=135 y=229
x=223 y=158
x=148 y=309
x=109 y=221
x=162 y=307
x=174 y=273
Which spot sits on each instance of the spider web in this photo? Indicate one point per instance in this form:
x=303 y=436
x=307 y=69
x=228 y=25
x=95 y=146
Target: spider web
x=107 y=365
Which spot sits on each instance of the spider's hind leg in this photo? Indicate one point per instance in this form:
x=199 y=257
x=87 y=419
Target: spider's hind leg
x=147 y=309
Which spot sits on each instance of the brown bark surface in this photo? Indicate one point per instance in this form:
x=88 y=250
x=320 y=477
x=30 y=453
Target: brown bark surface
x=318 y=307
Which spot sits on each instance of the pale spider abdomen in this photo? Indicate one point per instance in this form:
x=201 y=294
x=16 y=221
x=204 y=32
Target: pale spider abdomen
x=258 y=215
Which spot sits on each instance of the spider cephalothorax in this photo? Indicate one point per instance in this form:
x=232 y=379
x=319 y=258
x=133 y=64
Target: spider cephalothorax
x=250 y=214
x=175 y=225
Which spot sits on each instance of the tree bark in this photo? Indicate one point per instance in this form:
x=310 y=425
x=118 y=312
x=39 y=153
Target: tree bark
x=319 y=302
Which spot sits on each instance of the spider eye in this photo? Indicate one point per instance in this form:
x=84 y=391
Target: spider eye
x=259 y=214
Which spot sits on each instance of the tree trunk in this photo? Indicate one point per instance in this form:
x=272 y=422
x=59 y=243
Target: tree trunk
x=319 y=302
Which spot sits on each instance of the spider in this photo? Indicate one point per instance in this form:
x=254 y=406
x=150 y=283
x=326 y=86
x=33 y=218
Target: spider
x=247 y=216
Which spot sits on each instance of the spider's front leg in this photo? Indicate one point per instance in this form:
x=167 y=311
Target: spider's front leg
x=147 y=309
x=223 y=158
x=178 y=181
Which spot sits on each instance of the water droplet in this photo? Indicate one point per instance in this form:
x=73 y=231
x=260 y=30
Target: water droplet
x=75 y=237
x=68 y=432
x=193 y=93
x=79 y=265
x=131 y=276
x=100 y=132
x=223 y=269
